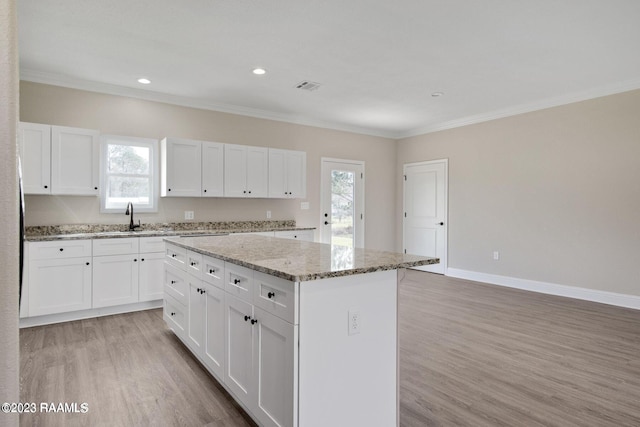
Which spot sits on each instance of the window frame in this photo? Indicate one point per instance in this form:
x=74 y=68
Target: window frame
x=154 y=171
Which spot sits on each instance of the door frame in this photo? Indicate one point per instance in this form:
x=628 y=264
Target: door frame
x=445 y=259
x=360 y=163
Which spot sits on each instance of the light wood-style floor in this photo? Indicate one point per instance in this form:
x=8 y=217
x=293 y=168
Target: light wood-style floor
x=470 y=355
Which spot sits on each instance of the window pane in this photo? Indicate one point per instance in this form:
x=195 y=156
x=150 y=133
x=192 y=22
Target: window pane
x=342 y=208
x=128 y=159
x=121 y=190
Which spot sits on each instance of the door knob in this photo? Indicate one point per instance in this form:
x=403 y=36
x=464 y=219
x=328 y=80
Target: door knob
x=327 y=223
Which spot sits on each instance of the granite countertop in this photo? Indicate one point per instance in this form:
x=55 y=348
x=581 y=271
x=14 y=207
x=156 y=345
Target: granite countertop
x=296 y=260
x=110 y=231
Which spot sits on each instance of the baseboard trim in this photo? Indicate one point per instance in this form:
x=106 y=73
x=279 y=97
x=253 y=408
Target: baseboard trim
x=27 y=322
x=604 y=297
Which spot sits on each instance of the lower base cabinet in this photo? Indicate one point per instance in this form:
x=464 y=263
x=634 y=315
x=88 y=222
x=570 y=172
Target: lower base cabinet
x=252 y=352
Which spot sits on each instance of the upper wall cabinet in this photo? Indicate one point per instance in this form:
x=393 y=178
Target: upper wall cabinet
x=75 y=161
x=246 y=171
x=191 y=168
x=34 y=144
x=59 y=160
x=287 y=174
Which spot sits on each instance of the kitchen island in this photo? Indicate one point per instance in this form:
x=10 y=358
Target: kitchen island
x=300 y=333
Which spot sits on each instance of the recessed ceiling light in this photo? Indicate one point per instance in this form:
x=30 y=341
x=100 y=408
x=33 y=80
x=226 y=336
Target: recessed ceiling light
x=259 y=71
x=437 y=94
x=144 y=81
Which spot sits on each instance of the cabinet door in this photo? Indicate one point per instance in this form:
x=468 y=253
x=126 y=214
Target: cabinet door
x=181 y=173
x=75 y=161
x=174 y=315
x=35 y=155
x=238 y=373
x=212 y=169
x=197 y=305
x=235 y=170
x=59 y=285
x=213 y=354
x=296 y=171
x=277 y=174
x=274 y=346
x=151 y=276
x=257 y=172
x=115 y=280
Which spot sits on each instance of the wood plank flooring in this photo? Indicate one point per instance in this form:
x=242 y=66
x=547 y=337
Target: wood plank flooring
x=470 y=355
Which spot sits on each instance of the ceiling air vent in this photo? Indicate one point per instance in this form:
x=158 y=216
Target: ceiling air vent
x=307 y=85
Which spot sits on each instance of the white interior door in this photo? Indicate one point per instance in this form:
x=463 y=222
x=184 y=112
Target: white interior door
x=342 y=215
x=425 y=212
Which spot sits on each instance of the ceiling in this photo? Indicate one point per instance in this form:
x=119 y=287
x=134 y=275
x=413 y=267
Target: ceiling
x=378 y=61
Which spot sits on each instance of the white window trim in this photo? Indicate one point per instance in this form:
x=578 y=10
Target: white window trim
x=154 y=171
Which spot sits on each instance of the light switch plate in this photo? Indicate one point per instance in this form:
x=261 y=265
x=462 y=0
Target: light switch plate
x=188 y=215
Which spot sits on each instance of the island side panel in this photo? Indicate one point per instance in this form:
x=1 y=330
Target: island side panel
x=348 y=379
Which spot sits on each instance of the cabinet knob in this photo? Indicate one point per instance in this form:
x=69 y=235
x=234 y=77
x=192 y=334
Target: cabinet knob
x=173 y=282
x=236 y=281
x=61 y=249
x=249 y=192
x=254 y=321
x=46 y=186
x=244 y=191
x=142 y=259
x=173 y=314
x=168 y=189
x=205 y=191
x=87 y=263
x=192 y=263
x=247 y=318
x=173 y=255
x=271 y=295
x=95 y=188
x=202 y=291
x=135 y=260
x=211 y=271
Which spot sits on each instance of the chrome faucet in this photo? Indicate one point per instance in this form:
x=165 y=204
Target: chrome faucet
x=129 y=211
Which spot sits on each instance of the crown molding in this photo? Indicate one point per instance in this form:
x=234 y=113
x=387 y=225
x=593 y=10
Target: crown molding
x=65 y=81
x=147 y=95
x=598 y=92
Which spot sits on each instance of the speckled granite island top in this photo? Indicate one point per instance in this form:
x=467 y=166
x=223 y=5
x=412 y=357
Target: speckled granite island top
x=295 y=260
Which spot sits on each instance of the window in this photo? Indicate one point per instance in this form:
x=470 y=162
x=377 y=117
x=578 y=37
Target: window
x=129 y=173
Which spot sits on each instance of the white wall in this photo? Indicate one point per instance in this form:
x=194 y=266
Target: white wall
x=556 y=191
x=128 y=116
x=9 y=389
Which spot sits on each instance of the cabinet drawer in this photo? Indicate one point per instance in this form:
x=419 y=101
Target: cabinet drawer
x=175 y=284
x=59 y=249
x=193 y=265
x=304 y=235
x=238 y=281
x=213 y=271
x=175 y=255
x=151 y=244
x=117 y=246
x=175 y=316
x=275 y=296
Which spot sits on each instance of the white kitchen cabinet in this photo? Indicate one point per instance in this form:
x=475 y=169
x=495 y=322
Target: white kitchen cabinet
x=150 y=278
x=191 y=168
x=212 y=169
x=246 y=171
x=174 y=315
x=34 y=146
x=75 y=161
x=181 y=167
x=59 y=277
x=115 y=280
x=287 y=174
x=196 y=324
x=238 y=373
x=274 y=368
x=214 y=341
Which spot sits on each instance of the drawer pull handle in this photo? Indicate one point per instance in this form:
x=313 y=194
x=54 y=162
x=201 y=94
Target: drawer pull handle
x=247 y=318
x=211 y=271
x=236 y=281
x=193 y=263
x=173 y=255
x=202 y=291
x=254 y=321
x=173 y=282
x=271 y=295
x=173 y=314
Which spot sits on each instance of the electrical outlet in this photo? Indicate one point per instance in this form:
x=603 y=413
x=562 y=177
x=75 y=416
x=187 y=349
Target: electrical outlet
x=496 y=255
x=188 y=215
x=354 y=321
x=268 y=214
x=304 y=206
